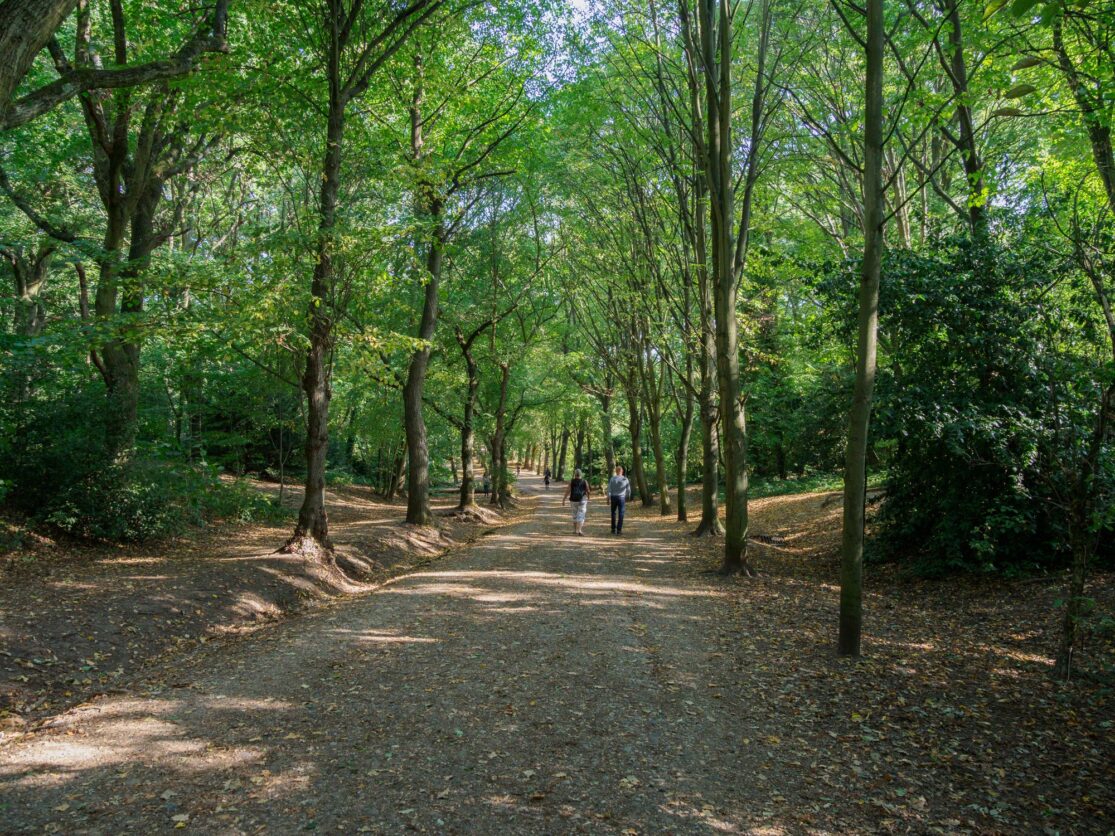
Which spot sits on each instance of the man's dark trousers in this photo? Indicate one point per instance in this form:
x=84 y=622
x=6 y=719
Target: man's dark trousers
x=618 y=504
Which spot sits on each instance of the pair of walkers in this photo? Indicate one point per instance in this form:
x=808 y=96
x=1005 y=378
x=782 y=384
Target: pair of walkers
x=578 y=492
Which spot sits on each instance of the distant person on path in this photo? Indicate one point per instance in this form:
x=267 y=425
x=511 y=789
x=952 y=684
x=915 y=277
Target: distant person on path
x=577 y=493
x=619 y=491
x=546 y=478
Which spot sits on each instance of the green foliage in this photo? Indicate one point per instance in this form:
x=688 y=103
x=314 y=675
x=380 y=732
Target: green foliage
x=971 y=378
x=150 y=500
x=562 y=159
x=763 y=486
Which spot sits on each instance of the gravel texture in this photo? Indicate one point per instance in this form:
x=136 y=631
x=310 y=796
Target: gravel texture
x=535 y=682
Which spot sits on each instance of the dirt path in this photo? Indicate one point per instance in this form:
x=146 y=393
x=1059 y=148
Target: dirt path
x=76 y=622
x=541 y=683
x=537 y=682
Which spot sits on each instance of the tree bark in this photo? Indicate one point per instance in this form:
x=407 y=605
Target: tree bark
x=393 y=478
x=733 y=419
x=729 y=246
x=498 y=442
x=682 y=457
x=654 y=416
x=1081 y=539
x=635 y=430
x=418 y=479
x=706 y=399
x=735 y=435
x=23 y=36
x=468 y=431
x=29 y=274
x=311 y=534
x=958 y=75
x=579 y=446
x=431 y=206
x=1084 y=488
x=710 y=469
x=605 y=398
x=26 y=26
x=563 y=449
x=859 y=421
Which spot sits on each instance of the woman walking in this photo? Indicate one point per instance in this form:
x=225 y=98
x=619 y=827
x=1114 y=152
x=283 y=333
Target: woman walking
x=577 y=492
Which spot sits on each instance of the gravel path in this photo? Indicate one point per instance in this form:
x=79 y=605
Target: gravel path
x=536 y=682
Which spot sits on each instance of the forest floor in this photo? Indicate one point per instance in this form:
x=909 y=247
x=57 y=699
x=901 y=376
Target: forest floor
x=540 y=682
x=78 y=621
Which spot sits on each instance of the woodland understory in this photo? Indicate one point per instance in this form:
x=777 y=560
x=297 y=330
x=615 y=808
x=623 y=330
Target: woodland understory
x=326 y=288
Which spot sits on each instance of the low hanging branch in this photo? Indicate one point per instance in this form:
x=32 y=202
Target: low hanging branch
x=209 y=38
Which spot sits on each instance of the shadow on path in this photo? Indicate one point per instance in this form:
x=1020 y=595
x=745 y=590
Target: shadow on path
x=536 y=682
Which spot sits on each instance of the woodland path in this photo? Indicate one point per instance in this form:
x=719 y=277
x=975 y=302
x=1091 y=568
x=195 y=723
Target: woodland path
x=534 y=682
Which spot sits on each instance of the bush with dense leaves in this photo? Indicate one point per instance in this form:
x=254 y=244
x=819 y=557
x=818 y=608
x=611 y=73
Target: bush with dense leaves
x=149 y=500
x=55 y=471
x=973 y=394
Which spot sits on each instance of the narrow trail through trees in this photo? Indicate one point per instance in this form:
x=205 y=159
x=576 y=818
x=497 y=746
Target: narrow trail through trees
x=536 y=681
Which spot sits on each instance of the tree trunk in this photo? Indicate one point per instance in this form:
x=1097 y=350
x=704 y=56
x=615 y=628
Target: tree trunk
x=394 y=477
x=504 y=492
x=119 y=370
x=30 y=276
x=432 y=207
x=710 y=442
x=468 y=432
x=605 y=398
x=1081 y=538
x=735 y=435
x=418 y=479
x=312 y=531
x=563 y=449
x=651 y=382
x=1094 y=110
x=900 y=203
x=859 y=421
x=498 y=441
x=710 y=470
x=683 y=456
x=26 y=26
x=468 y=480
x=121 y=356
x=973 y=167
x=635 y=429
x=350 y=438
x=729 y=248
x=654 y=413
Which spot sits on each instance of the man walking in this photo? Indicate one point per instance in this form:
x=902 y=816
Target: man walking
x=619 y=491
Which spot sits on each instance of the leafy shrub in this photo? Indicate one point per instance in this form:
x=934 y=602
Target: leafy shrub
x=54 y=469
x=150 y=500
x=49 y=445
x=122 y=504
x=976 y=396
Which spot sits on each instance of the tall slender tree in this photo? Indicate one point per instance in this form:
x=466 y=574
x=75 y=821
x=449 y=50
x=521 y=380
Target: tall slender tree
x=358 y=41
x=859 y=419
